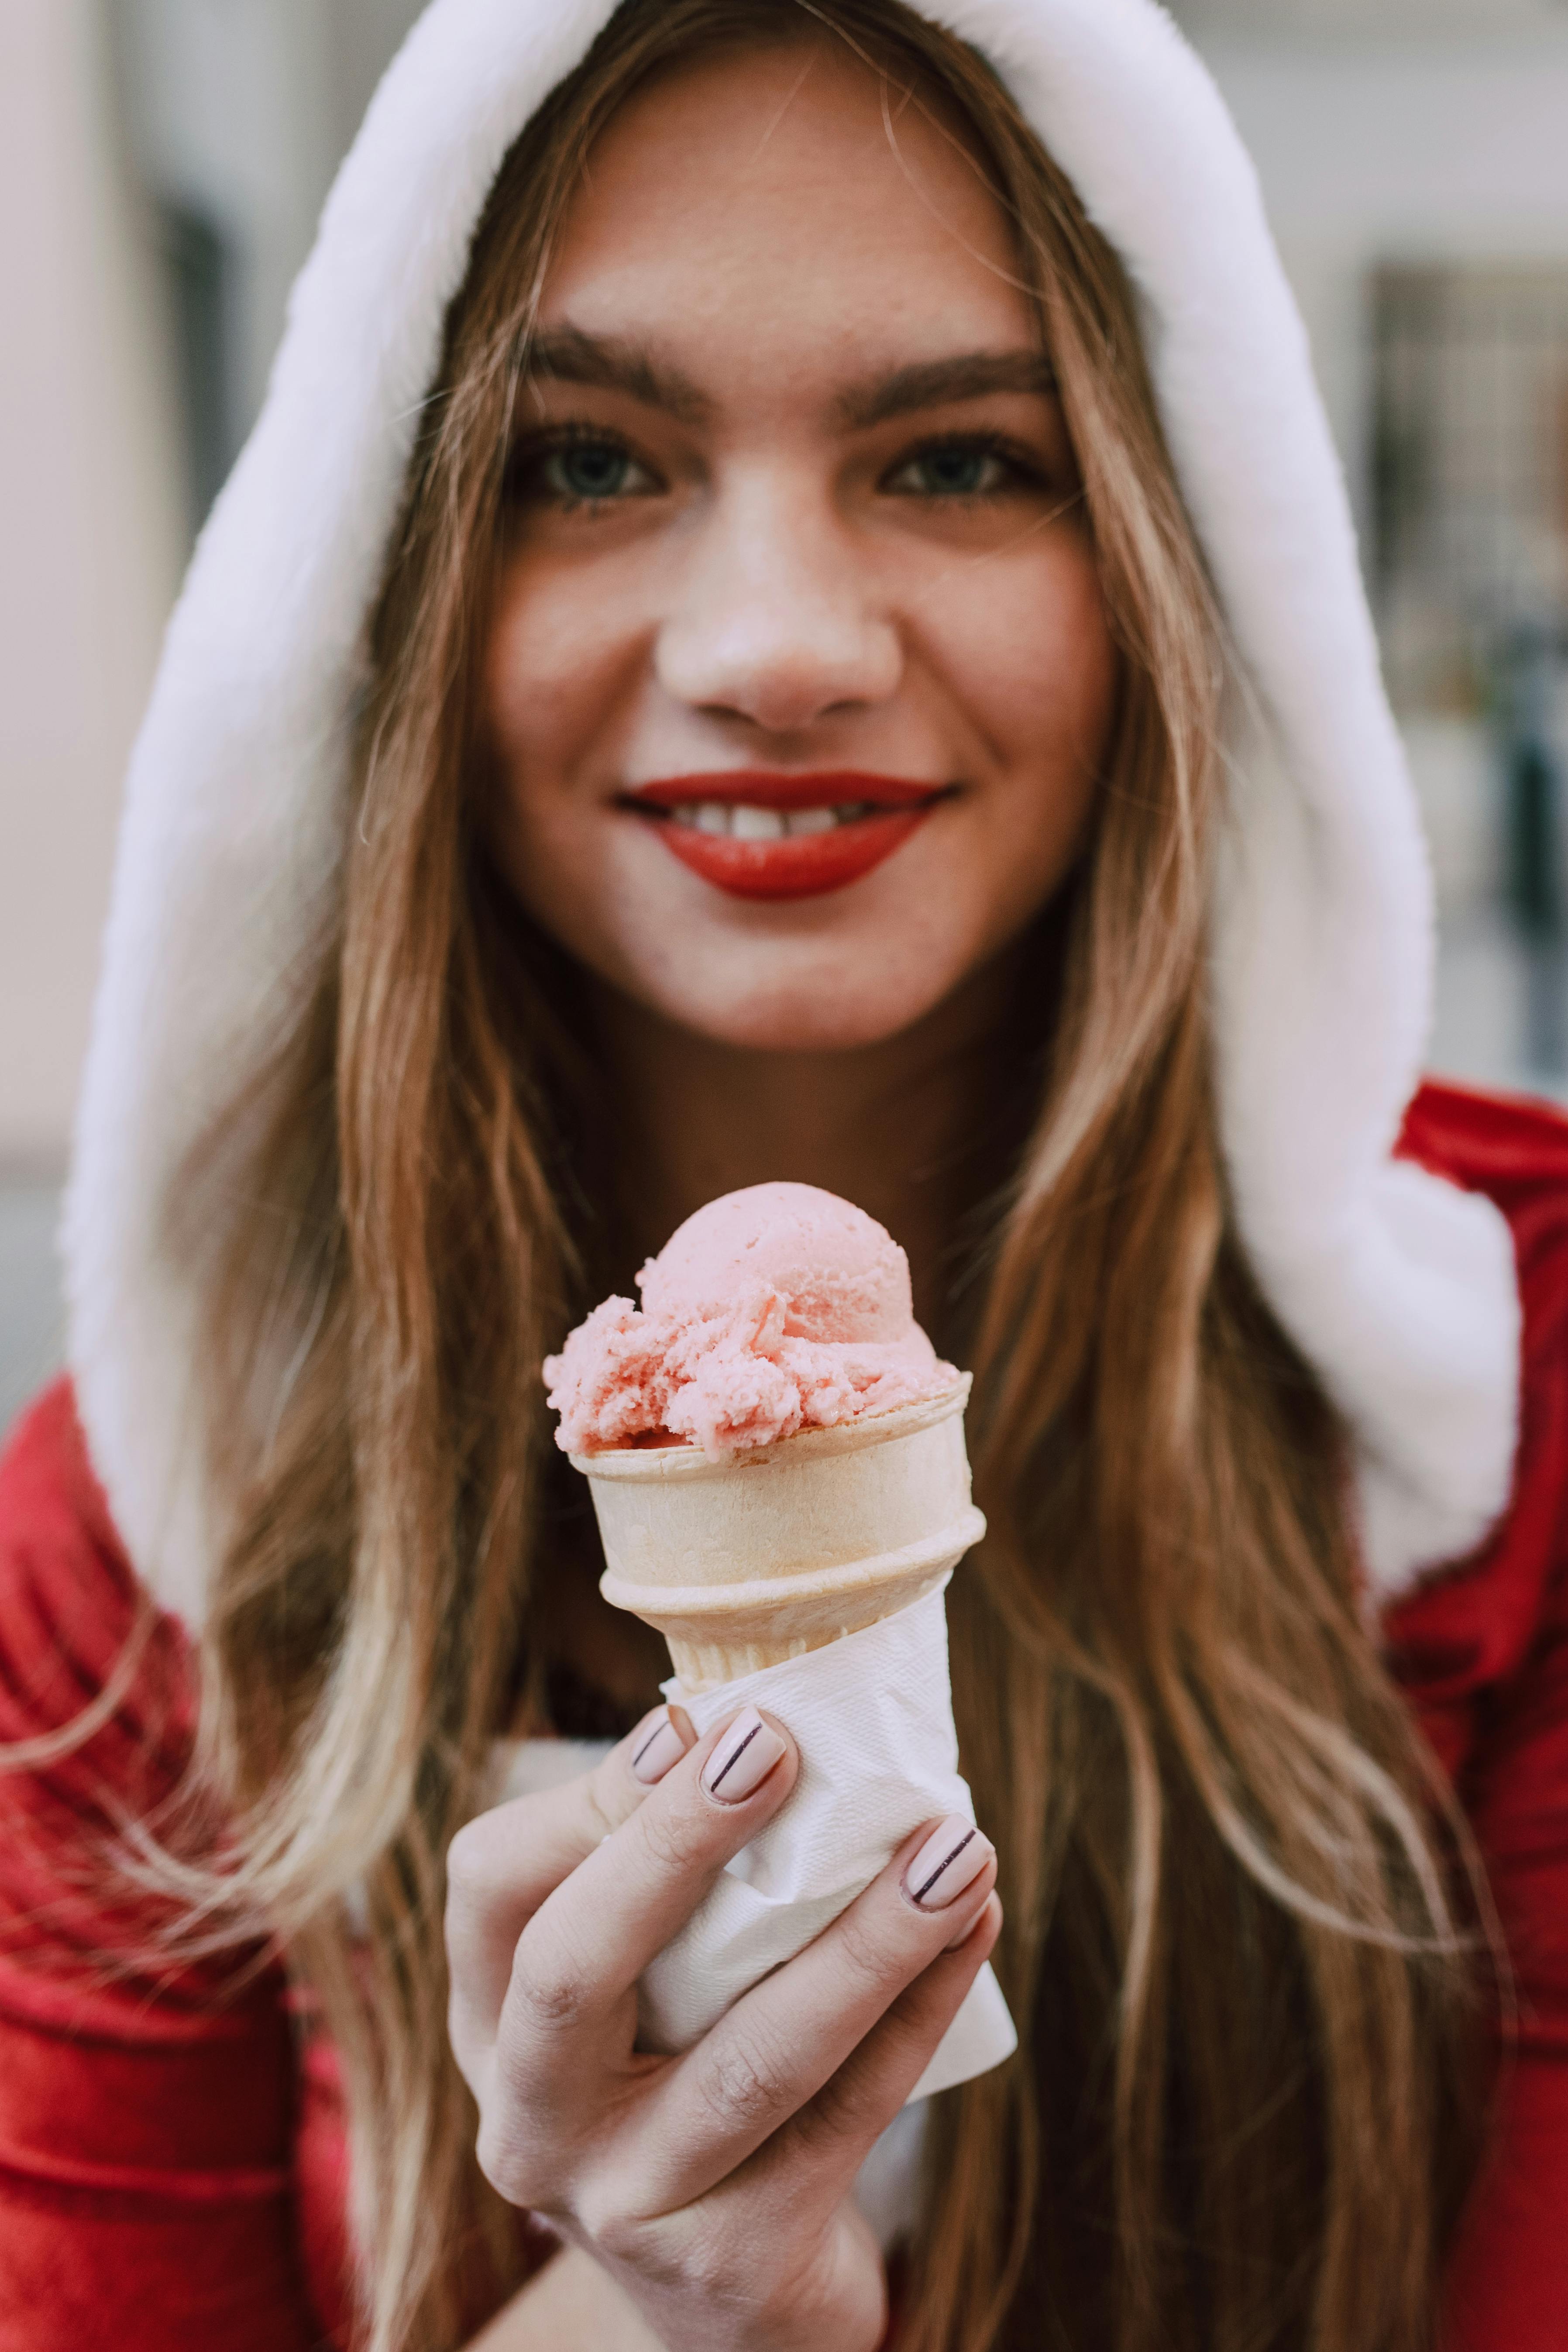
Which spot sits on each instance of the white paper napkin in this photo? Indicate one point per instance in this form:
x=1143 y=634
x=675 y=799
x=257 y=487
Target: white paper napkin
x=872 y=1716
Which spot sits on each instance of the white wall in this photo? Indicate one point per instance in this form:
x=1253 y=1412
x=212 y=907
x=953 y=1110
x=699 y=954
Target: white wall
x=245 y=109
x=1455 y=151
x=364 y=37
x=1368 y=20
x=1402 y=154
x=90 y=548
x=230 y=111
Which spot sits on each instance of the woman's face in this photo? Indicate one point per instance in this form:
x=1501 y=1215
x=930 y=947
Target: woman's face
x=798 y=681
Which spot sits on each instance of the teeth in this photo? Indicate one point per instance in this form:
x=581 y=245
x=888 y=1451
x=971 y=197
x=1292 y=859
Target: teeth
x=756 y=823
x=736 y=821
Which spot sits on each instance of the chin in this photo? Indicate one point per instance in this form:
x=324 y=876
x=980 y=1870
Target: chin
x=834 y=1009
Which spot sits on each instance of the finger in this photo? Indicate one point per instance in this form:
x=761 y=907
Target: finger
x=835 y=2132
x=583 y=1952
x=812 y=2162
x=501 y=1867
x=776 y=2048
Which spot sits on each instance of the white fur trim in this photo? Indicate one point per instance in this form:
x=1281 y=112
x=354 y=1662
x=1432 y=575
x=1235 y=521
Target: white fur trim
x=1397 y=1287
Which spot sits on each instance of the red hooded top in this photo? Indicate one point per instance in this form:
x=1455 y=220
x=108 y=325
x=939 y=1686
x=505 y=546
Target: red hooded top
x=171 y=2165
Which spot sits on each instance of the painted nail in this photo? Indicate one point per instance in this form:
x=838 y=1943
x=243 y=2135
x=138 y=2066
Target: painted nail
x=951 y=1858
x=660 y=1745
x=743 y=1760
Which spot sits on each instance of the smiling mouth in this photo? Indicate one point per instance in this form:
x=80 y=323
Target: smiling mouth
x=772 y=836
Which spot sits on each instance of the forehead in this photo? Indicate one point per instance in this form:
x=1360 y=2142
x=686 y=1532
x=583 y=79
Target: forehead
x=795 y=189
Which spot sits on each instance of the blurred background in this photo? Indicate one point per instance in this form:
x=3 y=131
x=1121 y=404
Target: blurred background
x=162 y=165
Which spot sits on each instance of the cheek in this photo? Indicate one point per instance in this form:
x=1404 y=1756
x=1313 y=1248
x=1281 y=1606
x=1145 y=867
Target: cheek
x=563 y=667
x=1028 y=653
x=556 y=652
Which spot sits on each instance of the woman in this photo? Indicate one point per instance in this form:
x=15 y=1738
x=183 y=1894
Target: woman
x=790 y=615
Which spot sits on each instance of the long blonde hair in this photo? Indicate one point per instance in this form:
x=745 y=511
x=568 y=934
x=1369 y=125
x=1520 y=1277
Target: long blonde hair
x=1245 y=2101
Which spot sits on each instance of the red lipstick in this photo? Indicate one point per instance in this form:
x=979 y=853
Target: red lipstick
x=760 y=834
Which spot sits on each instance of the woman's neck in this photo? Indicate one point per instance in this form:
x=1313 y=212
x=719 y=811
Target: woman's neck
x=917 y=1130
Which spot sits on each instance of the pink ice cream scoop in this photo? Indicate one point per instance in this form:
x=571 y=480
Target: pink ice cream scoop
x=774 y=1309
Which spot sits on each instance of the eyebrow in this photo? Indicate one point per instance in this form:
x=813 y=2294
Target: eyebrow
x=569 y=355
x=932 y=383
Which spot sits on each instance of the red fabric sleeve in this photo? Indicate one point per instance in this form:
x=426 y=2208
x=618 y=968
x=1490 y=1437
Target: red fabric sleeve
x=1509 y=2286
x=1483 y=1653
x=147 y=2189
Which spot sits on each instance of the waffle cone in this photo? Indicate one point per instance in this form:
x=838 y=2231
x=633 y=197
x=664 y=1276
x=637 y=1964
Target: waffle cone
x=785 y=1547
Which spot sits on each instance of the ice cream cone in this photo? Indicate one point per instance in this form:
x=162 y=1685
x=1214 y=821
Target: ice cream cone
x=785 y=1547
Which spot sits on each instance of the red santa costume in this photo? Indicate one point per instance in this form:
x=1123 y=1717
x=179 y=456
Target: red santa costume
x=174 y=2159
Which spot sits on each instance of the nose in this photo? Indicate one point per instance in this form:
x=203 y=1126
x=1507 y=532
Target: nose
x=776 y=620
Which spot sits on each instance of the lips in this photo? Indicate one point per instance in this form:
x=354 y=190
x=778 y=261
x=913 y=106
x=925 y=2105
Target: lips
x=764 y=835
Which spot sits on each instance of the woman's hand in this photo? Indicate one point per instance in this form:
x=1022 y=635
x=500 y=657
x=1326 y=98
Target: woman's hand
x=715 y=2187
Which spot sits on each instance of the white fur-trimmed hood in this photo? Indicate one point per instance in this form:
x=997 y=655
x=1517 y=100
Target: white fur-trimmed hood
x=1399 y=1288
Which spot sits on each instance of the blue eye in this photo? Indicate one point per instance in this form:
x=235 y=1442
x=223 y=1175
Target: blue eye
x=588 y=470
x=959 y=469
x=579 y=469
x=959 y=472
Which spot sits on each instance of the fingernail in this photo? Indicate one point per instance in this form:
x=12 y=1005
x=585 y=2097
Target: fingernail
x=743 y=1760
x=951 y=1858
x=660 y=1745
